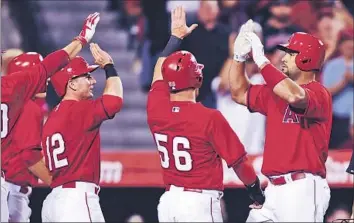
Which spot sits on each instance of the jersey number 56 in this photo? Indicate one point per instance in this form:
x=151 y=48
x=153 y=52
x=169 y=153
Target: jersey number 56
x=55 y=146
x=177 y=142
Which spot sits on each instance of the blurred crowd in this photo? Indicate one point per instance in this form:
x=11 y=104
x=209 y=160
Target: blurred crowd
x=147 y=26
x=219 y=22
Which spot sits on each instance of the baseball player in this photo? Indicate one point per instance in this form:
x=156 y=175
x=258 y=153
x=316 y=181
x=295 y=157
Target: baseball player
x=192 y=140
x=71 y=139
x=25 y=166
x=299 y=112
x=20 y=87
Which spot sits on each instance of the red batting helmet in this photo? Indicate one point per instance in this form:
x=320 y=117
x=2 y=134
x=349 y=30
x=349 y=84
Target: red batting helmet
x=180 y=71
x=24 y=61
x=77 y=67
x=311 y=51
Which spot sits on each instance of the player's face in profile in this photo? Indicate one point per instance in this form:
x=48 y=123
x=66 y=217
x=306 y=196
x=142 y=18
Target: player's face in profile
x=288 y=65
x=85 y=86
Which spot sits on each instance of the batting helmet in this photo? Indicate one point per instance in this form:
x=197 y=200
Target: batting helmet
x=76 y=68
x=24 y=61
x=311 y=51
x=181 y=71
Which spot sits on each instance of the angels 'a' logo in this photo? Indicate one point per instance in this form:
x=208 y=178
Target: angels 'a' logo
x=290 y=116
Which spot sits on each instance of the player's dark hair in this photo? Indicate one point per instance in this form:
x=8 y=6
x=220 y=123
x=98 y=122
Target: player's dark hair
x=52 y=98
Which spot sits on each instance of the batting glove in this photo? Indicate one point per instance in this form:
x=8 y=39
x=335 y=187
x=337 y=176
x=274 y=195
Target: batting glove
x=88 y=29
x=256 y=193
x=242 y=46
x=257 y=49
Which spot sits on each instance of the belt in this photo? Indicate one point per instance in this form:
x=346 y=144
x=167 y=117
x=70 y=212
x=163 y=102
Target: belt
x=282 y=179
x=73 y=184
x=186 y=189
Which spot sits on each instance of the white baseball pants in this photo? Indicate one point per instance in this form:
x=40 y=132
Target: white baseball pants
x=303 y=200
x=178 y=205
x=79 y=204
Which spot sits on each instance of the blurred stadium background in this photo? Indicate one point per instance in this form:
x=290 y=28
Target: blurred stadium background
x=134 y=32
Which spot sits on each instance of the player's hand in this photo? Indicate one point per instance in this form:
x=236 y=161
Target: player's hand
x=179 y=26
x=256 y=194
x=102 y=58
x=88 y=29
x=257 y=49
x=242 y=47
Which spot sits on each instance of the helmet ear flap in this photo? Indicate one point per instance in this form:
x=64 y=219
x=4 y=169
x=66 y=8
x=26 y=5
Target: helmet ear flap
x=303 y=62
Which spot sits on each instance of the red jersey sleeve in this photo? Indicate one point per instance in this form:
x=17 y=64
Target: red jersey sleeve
x=224 y=140
x=258 y=97
x=28 y=133
x=31 y=81
x=94 y=112
x=158 y=94
x=318 y=102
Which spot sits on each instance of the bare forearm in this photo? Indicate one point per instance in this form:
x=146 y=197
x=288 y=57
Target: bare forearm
x=289 y=91
x=113 y=87
x=283 y=86
x=224 y=74
x=73 y=48
x=239 y=82
x=157 y=70
x=40 y=170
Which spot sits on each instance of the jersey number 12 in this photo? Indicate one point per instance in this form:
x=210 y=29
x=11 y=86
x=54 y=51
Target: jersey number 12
x=177 y=141
x=56 y=145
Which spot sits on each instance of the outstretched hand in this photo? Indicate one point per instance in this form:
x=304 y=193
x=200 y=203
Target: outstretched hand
x=89 y=28
x=179 y=27
x=102 y=58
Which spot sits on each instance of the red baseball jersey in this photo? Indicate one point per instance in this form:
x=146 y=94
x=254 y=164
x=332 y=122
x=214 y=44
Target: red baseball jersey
x=71 y=140
x=18 y=88
x=25 y=149
x=294 y=141
x=192 y=140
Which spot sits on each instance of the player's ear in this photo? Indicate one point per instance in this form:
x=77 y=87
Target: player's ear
x=72 y=85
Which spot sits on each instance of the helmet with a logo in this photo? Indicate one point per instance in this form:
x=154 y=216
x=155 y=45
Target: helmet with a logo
x=311 y=51
x=181 y=71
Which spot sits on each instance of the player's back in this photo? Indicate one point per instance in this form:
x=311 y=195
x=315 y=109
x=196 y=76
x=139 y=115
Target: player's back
x=72 y=150
x=16 y=89
x=182 y=134
x=24 y=150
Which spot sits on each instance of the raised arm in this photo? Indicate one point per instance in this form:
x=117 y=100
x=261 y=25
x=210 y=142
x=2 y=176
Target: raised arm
x=281 y=85
x=179 y=30
x=113 y=92
x=58 y=59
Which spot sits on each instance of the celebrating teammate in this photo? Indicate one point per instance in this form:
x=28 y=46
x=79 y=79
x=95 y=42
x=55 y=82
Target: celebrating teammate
x=18 y=88
x=25 y=163
x=71 y=139
x=191 y=139
x=299 y=117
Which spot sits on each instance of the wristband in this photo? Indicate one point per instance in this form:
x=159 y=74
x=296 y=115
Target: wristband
x=110 y=71
x=173 y=45
x=82 y=40
x=272 y=75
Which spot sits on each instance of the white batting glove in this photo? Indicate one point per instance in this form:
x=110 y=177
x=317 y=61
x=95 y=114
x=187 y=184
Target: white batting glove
x=242 y=46
x=257 y=49
x=88 y=29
